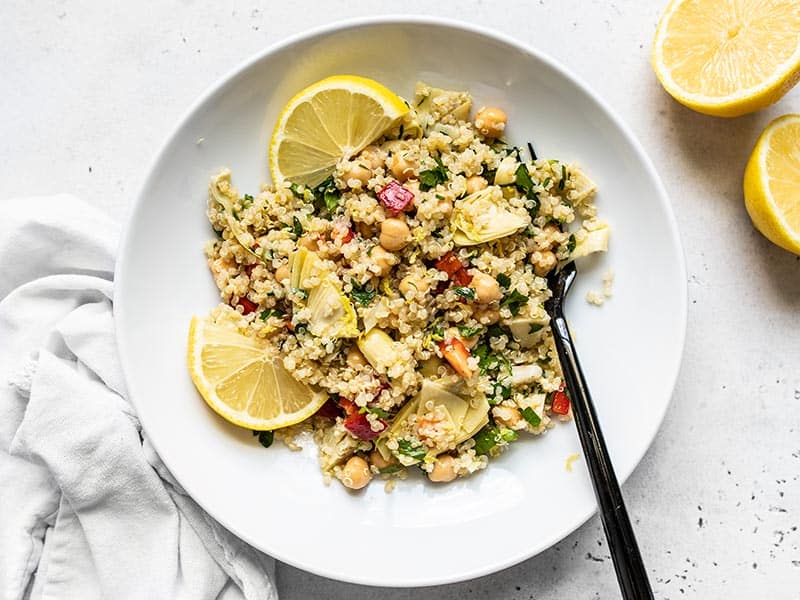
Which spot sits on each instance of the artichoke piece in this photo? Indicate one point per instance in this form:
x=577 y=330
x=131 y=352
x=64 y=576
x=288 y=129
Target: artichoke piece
x=332 y=314
x=221 y=191
x=378 y=348
x=336 y=445
x=583 y=186
x=303 y=264
x=484 y=216
x=506 y=171
x=527 y=331
x=596 y=240
x=435 y=105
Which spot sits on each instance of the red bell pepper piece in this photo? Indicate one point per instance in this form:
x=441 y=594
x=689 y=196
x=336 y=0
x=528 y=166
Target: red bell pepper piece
x=456 y=353
x=247 y=306
x=396 y=198
x=560 y=404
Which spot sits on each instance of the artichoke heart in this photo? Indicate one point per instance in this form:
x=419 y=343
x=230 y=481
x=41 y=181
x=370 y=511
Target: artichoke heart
x=596 y=240
x=378 y=348
x=304 y=264
x=332 y=314
x=466 y=417
x=221 y=191
x=482 y=217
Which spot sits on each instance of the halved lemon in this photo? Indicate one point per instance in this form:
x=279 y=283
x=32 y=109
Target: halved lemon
x=242 y=382
x=772 y=183
x=728 y=57
x=331 y=119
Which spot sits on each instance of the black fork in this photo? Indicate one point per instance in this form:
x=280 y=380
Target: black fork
x=631 y=572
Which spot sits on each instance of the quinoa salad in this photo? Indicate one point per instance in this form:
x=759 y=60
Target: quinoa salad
x=409 y=287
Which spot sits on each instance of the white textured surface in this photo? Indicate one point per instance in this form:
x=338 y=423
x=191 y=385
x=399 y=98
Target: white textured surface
x=90 y=90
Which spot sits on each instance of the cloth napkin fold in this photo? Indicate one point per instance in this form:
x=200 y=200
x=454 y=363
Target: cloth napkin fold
x=87 y=509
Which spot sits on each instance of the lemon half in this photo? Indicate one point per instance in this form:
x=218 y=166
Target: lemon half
x=728 y=57
x=333 y=118
x=772 y=183
x=244 y=383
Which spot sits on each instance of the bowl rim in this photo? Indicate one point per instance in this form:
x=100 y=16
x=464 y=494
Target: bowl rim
x=404 y=20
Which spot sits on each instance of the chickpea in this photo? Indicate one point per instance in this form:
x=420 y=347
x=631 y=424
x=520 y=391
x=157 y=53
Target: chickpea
x=414 y=283
x=488 y=316
x=307 y=242
x=377 y=460
x=401 y=168
x=355 y=474
x=383 y=260
x=548 y=231
x=354 y=357
x=490 y=121
x=359 y=173
x=487 y=290
x=508 y=416
x=476 y=183
x=545 y=264
x=282 y=273
x=444 y=469
x=370 y=157
x=394 y=234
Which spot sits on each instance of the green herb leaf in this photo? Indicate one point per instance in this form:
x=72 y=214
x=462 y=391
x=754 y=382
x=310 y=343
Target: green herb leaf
x=296 y=190
x=469 y=332
x=514 y=301
x=265 y=438
x=433 y=177
x=378 y=412
x=297 y=227
x=504 y=280
x=571 y=243
x=405 y=447
x=390 y=469
x=362 y=294
x=523 y=181
x=534 y=327
x=437 y=331
x=490 y=436
x=564 y=177
x=531 y=417
x=331 y=201
x=300 y=292
x=465 y=292
x=272 y=312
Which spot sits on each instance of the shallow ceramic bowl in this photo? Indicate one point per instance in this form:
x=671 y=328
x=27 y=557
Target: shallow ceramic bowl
x=421 y=533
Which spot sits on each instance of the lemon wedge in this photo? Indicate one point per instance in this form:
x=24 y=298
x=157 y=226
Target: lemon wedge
x=728 y=57
x=772 y=181
x=242 y=382
x=331 y=119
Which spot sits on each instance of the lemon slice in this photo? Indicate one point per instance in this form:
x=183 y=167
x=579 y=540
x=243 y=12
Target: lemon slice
x=772 y=183
x=728 y=57
x=331 y=119
x=242 y=382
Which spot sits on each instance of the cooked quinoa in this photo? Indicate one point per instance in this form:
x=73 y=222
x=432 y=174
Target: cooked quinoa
x=410 y=287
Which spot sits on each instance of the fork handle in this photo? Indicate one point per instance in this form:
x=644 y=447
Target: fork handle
x=631 y=572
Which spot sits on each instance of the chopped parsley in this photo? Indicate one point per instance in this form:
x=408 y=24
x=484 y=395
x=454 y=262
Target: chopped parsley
x=564 y=177
x=490 y=436
x=247 y=201
x=295 y=190
x=272 y=312
x=469 y=332
x=524 y=183
x=405 y=447
x=265 y=438
x=514 y=301
x=297 y=227
x=535 y=327
x=362 y=293
x=433 y=177
x=325 y=196
x=571 y=243
x=436 y=331
x=378 y=412
x=531 y=417
x=488 y=362
x=488 y=174
x=504 y=281
x=390 y=469
x=465 y=292
x=300 y=292
x=502 y=391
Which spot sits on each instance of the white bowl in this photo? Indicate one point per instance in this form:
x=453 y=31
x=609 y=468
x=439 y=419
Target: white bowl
x=420 y=534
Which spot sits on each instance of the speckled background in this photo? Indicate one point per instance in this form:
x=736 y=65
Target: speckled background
x=89 y=90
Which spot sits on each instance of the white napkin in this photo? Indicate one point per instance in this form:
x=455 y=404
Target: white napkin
x=87 y=509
